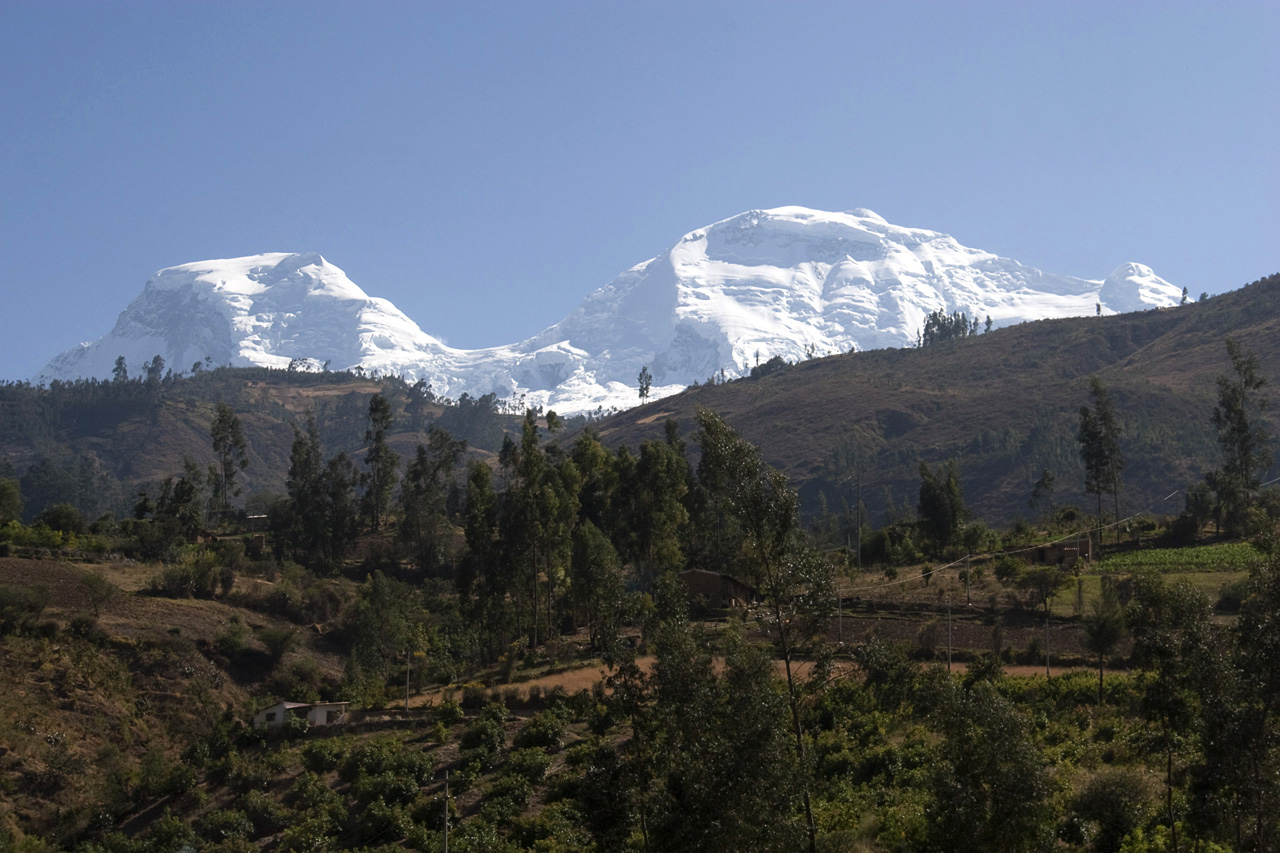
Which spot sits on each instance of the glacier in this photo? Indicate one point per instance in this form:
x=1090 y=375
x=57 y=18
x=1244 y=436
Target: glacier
x=791 y=282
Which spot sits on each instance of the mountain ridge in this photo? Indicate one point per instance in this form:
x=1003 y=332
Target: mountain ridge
x=790 y=282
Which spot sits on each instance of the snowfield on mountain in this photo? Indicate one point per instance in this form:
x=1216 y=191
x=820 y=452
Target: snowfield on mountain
x=790 y=282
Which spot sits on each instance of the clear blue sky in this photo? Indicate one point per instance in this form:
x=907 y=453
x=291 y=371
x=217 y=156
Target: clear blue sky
x=486 y=165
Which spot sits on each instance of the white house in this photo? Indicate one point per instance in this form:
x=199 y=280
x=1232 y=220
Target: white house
x=317 y=714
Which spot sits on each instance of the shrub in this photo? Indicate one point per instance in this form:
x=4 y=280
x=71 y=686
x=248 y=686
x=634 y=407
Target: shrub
x=1008 y=567
x=546 y=730
x=266 y=814
x=1232 y=595
x=530 y=763
x=279 y=640
x=416 y=765
x=160 y=777
x=313 y=835
x=506 y=798
x=367 y=759
x=321 y=756
x=310 y=792
x=449 y=712
x=482 y=741
x=380 y=823
x=86 y=627
x=195 y=575
x=224 y=824
x=232 y=641
x=170 y=832
x=249 y=774
x=21 y=608
x=473 y=695
x=390 y=788
x=296 y=726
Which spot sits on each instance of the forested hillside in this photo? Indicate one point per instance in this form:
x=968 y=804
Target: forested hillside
x=97 y=444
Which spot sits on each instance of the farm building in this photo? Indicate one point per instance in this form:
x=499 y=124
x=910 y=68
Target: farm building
x=317 y=714
x=713 y=589
x=1065 y=553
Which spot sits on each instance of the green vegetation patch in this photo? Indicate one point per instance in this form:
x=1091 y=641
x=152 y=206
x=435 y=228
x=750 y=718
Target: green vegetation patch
x=1225 y=557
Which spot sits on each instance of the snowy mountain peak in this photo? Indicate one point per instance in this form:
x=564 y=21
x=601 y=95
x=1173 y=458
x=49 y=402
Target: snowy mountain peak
x=1133 y=287
x=266 y=310
x=789 y=281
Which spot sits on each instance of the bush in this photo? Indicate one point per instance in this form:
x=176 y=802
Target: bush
x=506 y=798
x=63 y=518
x=249 y=774
x=296 y=726
x=1231 y=596
x=224 y=824
x=482 y=741
x=380 y=823
x=310 y=792
x=367 y=759
x=545 y=730
x=86 y=627
x=21 y=608
x=449 y=712
x=416 y=765
x=266 y=814
x=233 y=640
x=279 y=640
x=195 y=575
x=530 y=763
x=170 y=832
x=160 y=777
x=313 y=835
x=321 y=756
x=1008 y=567
x=391 y=788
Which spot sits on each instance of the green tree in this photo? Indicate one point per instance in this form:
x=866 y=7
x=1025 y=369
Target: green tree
x=1245 y=442
x=154 y=370
x=1237 y=677
x=10 y=501
x=317 y=522
x=797 y=585
x=597 y=586
x=989 y=781
x=941 y=507
x=383 y=463
x=1099 y=438
x=98 y=590
x=1172 y=639
x=646 y=382
x=1105 y=627
x=710 y=764
x=120 y=373
x=1042 y=491
x=232 y=452
x=940 y=326
x=424 y=495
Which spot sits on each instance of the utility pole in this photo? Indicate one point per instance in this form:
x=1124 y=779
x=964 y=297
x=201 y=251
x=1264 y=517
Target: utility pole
x=1047 y=673
x=948 y=628
x=968 y=574
x=857 y=515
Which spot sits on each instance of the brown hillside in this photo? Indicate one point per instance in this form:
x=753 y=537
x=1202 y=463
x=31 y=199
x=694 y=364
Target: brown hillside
x=1005 y=405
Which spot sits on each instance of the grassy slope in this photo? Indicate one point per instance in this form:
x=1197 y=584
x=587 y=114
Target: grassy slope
x=78 y=714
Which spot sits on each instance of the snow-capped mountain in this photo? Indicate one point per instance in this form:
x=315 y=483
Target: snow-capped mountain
x=789 y=282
